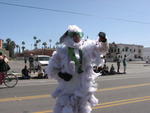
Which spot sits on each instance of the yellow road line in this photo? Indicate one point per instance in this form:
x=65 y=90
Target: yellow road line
x=123 y=87
x=47 y=96
x=132 y=99
x=47 y=111
x=118 y=104
x=24 y=98
x=121 y=102
x=113 y=103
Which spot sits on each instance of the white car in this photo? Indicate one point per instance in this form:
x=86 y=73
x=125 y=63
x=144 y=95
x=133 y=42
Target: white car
x=41 y=60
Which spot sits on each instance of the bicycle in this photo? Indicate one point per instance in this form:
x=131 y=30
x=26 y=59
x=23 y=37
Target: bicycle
x=9 y=80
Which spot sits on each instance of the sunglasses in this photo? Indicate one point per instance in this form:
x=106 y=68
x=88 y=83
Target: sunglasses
x=71 y=34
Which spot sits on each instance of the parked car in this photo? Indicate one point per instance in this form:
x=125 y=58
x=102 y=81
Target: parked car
x=41 y=60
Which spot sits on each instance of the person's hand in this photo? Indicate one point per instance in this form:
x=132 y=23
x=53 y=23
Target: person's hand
x=65 y=76
x=102 y=39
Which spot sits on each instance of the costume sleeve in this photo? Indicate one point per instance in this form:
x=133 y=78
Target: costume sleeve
x=102 y=47
x=101 y=50
x=54 y=66
x=95 y=50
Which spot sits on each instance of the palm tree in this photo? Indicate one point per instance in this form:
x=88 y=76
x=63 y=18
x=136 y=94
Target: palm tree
x=23 y=46
x=23 y=43
x=34 y=38
x=50 y=43
x=10 y=46
x=57 y=43
x=17 y=46
x=44 y=44
x=37 y=42
x=35 y=45
x=8 y=40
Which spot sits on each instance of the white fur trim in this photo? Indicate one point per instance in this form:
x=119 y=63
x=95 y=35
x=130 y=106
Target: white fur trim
x=74 y=28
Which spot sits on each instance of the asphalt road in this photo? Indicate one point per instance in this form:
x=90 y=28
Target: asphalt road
x=126 y=93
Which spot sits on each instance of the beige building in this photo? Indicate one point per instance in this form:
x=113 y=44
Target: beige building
x=133 y=52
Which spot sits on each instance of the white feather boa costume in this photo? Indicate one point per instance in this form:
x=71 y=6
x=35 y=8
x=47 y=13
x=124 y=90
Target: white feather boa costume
x=76 y=95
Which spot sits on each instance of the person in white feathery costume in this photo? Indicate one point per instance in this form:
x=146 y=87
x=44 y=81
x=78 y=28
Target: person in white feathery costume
x=71 y=66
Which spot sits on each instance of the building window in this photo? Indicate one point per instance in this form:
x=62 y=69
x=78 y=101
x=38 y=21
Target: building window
x=139 y=50
x=130 y=50
x=126 y=49
x=118 y=50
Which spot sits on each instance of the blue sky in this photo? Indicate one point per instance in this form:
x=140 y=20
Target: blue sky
x=124 y=21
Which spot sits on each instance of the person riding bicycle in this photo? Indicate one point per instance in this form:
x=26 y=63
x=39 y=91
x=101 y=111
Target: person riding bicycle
x=1 y=67
x=4 y=67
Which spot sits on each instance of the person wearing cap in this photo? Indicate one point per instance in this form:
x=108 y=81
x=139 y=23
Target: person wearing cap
x=71 y=66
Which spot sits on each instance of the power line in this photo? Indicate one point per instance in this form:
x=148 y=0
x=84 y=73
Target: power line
x=126 y=20
x=72 y=12
x=40 y=8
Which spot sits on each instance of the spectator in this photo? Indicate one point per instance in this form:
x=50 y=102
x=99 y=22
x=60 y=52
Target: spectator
x=1 y=67
x=104 y=57
x=31 y=63
x=112 y=70
x=124 y=64
x=40 y=72
x=105 y=70
x=148 y=60
x=4 y=67
x=6 y=62
x=118 y=64
x=97 y=69
x=25 y=60
x=25 y=73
